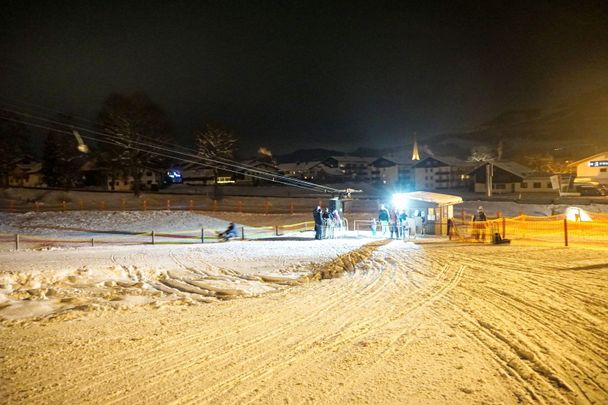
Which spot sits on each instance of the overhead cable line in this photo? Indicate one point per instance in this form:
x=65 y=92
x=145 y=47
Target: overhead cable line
x=221 y=161
x=276 y=179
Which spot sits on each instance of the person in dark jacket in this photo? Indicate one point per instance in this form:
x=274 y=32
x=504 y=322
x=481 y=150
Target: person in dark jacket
x=383 y=218
x=316 y=214
x=479 y=224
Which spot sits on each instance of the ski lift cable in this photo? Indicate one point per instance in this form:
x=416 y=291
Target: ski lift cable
x=279 y=181
x=244 y=167
x=187 y=151
x=158 y=153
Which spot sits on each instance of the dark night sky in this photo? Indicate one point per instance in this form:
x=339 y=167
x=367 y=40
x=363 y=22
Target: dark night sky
x=306 y=74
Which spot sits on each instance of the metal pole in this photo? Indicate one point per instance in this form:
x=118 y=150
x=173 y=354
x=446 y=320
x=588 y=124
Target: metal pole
x=489 y=179
x=202 y=235
x=565 y=232
x=242 y=233
x=16 y=241
x=153 y=237
x=276 y=230
x=92 y=242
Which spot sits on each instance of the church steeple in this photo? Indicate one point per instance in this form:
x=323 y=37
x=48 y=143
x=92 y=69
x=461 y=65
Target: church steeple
x=415 y=154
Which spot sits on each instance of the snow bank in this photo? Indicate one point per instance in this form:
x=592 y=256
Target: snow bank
x=61 y=282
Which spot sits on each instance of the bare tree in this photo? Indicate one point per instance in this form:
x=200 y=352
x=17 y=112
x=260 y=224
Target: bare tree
x=132 y=119
x=481 y=154
x=215 y=143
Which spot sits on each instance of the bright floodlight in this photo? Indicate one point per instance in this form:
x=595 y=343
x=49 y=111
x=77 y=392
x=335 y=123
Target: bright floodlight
x=399 y=201
x=577 y=214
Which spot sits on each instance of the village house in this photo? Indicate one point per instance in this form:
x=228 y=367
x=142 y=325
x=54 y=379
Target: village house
x=592 y=169
x=26 y=172
x=510 y=177
x=437 y=173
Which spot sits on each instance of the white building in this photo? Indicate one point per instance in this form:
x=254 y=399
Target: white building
x=592 y=169
x=437 y=173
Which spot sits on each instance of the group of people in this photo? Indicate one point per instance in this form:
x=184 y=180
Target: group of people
x=326 y=223
x=398 y=223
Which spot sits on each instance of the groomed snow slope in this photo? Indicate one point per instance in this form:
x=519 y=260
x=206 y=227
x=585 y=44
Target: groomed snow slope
x=405 y=323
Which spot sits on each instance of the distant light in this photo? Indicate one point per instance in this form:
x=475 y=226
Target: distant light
x=83 y=148
x=576 y=214
x=174 y=174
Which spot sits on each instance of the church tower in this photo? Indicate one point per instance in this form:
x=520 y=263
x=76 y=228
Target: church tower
x=415 y=154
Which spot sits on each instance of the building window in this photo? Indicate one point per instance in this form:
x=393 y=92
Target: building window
x=536 y=184
x=523 y=185
x=549 y=185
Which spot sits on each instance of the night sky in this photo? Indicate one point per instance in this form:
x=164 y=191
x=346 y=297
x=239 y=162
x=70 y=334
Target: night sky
x=293 y=75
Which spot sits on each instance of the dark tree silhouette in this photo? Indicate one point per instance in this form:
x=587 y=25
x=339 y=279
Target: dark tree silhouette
x=14 y=143
x=131 y=119
x=62 y=159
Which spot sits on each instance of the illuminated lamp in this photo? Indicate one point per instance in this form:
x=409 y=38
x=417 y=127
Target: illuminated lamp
x=576 y=214
x=400 y=201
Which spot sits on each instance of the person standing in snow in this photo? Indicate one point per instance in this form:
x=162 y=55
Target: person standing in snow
x=373 y=226
x=479 y=224
x=337 y=222
x=402 y=223
x=393 y=219
x=383 y=218
x=327 y=224
x=316 y=214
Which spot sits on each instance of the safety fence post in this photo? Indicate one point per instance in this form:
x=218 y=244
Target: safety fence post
x=202 y=235
x=153 y=237
x=242 y=233
x=92 y=242
x=16 y=241
x=565 y=232
x=276 y=230
x=504 y=227
x=145 y=205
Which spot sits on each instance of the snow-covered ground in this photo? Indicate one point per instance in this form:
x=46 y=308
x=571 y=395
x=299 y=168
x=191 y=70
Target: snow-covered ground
x=297 y=320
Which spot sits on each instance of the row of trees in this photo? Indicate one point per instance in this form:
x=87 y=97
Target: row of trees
x=124 y=123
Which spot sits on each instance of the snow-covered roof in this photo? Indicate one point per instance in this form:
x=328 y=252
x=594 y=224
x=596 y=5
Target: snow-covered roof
x=353 y=159
x=434 y=198
x=578 y=162
x=298 y=166
x=448 y=161
x=513 y=167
